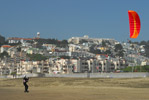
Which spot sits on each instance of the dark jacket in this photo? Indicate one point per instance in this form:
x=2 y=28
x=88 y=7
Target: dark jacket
x=25 y=80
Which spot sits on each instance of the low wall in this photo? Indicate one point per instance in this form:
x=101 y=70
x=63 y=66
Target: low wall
x=19 y=76
x=100 y=75
x=85 y=75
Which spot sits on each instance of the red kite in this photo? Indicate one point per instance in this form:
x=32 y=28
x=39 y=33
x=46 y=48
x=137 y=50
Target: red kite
x=134 y=24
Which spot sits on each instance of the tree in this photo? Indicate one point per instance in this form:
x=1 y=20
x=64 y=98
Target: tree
x=146 y=46
x=56 y=42
x=93 y=50
x=108 y=52
x=62 y=43
x=143 y=43
x=4 y=54
x=120 y=53
x=19 y=49
x=132 y=46
x=36 y=57
x=118 y=47
x=103 y=43
x=119 y=50
x=146 y=68
x=83 y=41
x=2 y=40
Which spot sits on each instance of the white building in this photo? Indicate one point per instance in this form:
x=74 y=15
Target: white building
x=76 y=40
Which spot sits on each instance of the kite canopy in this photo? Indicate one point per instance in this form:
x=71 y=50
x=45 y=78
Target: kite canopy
x=134 y=24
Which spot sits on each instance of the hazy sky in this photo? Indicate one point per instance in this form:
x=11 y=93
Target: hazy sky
x=62 y=19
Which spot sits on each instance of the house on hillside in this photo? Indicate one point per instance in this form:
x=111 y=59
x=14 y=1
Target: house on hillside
x=5 y=48
x=17 y=40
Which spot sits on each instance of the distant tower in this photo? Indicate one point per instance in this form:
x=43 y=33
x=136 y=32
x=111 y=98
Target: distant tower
x=38 y=34
x=86 y=36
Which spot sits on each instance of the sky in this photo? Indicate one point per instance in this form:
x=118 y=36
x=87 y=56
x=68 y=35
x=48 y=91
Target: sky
x=63 y=19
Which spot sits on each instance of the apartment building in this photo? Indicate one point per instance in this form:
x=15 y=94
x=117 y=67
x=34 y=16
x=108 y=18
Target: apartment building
x=76 y=40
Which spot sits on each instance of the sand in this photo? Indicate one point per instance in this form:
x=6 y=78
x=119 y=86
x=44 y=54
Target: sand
x=75 y=89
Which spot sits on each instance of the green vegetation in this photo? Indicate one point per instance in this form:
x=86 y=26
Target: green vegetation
x=4 y=54
x=2 y=40
x=93 y=50
x=56 y=42
x=118 y=47
x=146 y=46
x=108 y=52
x=36 y=57
x=137 y=69
x=13 y=73
x=103 y=43
x=128 y=69
x=83 y=41
x=19 y=49
x=119 y=50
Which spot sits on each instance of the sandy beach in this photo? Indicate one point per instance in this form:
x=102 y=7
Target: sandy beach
x=75 y=89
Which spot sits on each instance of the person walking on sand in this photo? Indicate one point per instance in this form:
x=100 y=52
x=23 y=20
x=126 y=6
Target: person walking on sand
x=25 y=80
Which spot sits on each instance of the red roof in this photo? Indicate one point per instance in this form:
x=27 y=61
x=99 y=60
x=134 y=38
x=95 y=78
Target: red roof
x=15 y=38
x=6 y=46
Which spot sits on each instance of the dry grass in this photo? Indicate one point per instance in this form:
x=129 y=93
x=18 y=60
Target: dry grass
x=86 y=82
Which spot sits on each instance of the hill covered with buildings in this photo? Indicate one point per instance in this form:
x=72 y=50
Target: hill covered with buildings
x=75 y=55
